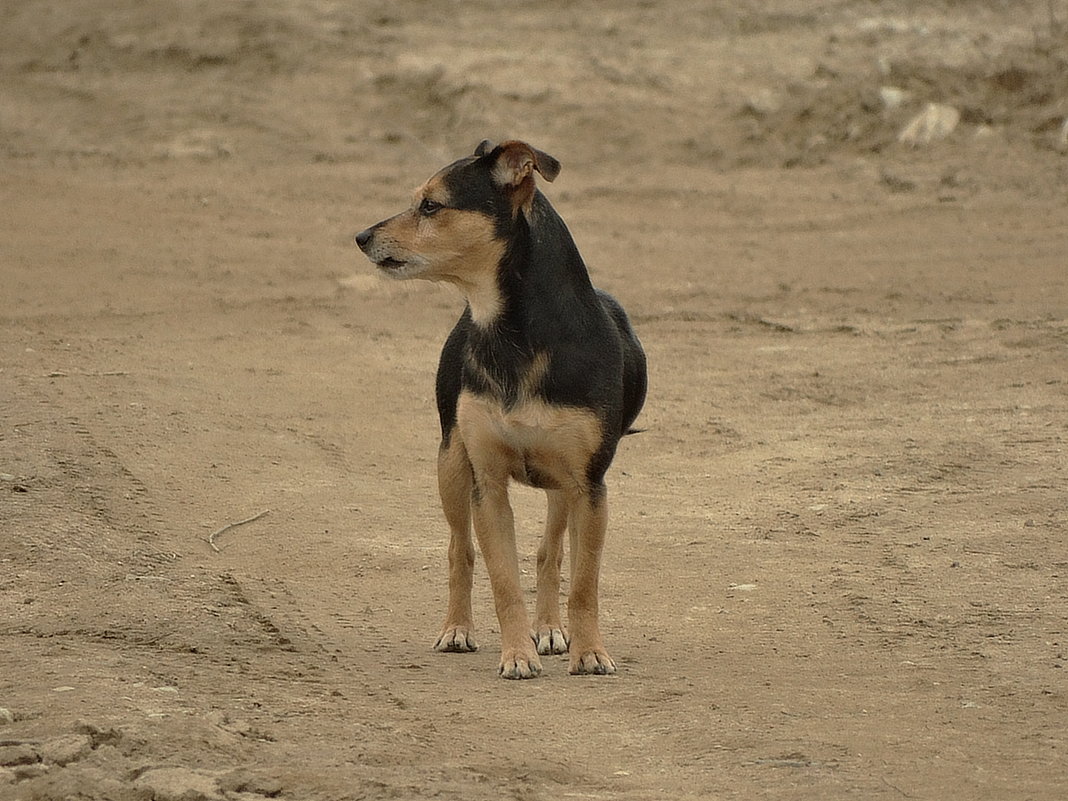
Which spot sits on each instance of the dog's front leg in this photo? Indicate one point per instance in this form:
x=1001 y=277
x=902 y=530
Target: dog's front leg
x=454 y=486
x=588 y=523
x=549 y=631
x=495 y=527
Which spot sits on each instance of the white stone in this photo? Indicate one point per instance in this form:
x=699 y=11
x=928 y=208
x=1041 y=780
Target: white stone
x=892 y=97
x=764 y=102
x=935 y=122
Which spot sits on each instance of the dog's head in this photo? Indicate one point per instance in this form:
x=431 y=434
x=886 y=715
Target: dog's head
x=456 y=228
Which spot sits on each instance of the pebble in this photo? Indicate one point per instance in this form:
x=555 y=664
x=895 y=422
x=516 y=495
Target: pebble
x=763 y=103
x=6 y=716
x=892 y=97
x=935 y=122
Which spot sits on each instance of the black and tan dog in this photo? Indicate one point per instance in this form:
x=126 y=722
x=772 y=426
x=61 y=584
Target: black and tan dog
x=537 y=382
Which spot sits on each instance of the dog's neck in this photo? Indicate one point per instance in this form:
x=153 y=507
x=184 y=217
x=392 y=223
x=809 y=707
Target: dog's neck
x=541 y=286
x=484 y=300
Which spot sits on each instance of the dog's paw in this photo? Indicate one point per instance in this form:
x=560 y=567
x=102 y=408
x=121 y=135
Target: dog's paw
x=594 y=662
x=550 y=640
x=456 y=639
x=519 y=664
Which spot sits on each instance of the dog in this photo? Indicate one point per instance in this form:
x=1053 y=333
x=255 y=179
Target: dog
x=539 y=380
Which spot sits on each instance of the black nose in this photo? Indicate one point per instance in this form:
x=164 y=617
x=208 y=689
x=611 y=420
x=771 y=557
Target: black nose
x=363 y=238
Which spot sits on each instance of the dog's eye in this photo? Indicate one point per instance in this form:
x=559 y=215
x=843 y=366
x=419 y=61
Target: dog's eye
x=429 y=207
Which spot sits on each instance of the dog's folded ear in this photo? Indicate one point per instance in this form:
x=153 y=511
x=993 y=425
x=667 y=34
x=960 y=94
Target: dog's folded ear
x=515 y=162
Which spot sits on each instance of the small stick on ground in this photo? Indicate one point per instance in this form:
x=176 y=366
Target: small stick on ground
x=228 y=526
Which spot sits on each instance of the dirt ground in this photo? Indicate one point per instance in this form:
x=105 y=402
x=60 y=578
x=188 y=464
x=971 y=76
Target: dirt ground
x=837 y=563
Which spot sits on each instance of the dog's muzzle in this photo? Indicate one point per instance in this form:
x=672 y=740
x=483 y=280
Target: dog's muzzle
x=363 y=239
x=388 y=264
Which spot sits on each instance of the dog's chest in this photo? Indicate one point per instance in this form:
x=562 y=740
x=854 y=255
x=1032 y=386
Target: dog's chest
x=532 y=441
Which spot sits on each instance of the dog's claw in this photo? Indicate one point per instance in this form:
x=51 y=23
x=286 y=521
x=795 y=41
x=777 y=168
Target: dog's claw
x=519 y=666
x=595 y=663
x=550 y=640
x=456 y=639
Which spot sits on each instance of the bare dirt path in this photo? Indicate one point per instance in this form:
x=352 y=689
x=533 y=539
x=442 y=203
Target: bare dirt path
x=838 y=559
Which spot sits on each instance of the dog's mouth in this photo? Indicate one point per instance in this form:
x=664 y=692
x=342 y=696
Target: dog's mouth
x=390 y=264
x=402 y=268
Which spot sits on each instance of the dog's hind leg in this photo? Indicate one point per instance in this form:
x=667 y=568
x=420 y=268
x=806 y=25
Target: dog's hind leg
x=454 y=486
x=588 y=523
x=548 y=630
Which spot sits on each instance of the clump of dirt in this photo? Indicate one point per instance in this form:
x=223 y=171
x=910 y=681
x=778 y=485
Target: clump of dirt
x=1019 y=94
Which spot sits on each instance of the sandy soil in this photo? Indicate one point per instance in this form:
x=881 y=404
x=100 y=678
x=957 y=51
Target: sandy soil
x=838 y=556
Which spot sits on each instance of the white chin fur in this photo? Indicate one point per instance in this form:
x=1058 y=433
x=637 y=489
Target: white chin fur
x=403 y=272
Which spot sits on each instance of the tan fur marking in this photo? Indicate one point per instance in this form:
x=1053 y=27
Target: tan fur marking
x=588 y=523
x=456 y=246
x=454 y=486
x=434 y=189
x=530 y=383
x=557 y=441
x=548 y=630
x=534 y=378
x=495 y=527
